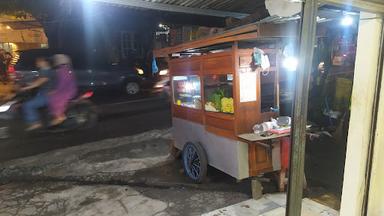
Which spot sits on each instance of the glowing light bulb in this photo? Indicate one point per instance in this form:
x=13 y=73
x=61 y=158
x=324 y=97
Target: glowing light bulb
x=347 y=21
x=290 y=63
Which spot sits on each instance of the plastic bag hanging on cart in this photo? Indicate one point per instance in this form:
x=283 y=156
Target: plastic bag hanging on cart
x=260 y=59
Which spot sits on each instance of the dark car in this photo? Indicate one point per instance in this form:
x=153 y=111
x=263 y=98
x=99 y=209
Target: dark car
x=91 y=74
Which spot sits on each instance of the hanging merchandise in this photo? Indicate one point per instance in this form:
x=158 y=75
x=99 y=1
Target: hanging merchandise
x=260 y=59
x=227 y=105
x=257 y=56
x=265 y=64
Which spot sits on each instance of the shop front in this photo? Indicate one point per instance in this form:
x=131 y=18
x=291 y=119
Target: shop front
x=361 y=191
x=18 y=34
x=337 y=87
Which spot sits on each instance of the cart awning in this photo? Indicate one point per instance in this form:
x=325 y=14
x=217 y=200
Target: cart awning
x=259 y=30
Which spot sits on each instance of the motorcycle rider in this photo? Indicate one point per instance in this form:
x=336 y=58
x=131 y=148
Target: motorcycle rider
x=45 y=84
x=64 y=90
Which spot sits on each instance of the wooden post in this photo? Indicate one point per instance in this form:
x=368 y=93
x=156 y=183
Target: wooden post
x=298 y=136
x=277 y=77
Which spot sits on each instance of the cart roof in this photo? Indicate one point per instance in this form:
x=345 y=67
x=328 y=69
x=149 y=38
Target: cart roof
x=270 y=28
x=262 y=30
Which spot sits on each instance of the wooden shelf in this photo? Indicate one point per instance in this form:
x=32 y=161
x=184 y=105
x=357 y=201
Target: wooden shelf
x=252 y=137
x=187 y=113
x=220 y=115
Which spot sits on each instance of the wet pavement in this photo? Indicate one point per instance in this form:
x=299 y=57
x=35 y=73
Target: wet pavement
x=123 y=165
x=116 y=155
x=152 y=113
x=133 y=175
x=61 y=198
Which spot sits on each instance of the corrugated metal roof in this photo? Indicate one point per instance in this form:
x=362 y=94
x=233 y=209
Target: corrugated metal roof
x=241 y=6
x=220 y=8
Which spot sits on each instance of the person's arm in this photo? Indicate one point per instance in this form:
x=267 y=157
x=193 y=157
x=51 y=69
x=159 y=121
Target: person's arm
x=37 y=83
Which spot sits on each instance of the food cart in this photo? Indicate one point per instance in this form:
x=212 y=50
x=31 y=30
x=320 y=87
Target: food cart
x=220 y=90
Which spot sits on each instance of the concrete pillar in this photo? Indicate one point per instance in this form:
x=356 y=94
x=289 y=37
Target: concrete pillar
x=376 y=188
x=363 y=94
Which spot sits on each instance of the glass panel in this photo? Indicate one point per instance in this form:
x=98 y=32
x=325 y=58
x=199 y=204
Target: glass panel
x=218 y=90
x=267 y=91
x=186 y=91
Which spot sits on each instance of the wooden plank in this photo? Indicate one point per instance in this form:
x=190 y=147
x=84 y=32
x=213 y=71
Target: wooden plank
x=225 y=124
x=220 y=115
x=252 y=137
x=185 y=67
x=194 y=115
x=222 y=65
x=289 y=29
x=235 y=85
x=202 y=43
x=250 y=31
x=259 y=159
x=192 y=44
x=221 y=132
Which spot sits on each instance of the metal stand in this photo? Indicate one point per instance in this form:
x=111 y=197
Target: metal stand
x=296 y=171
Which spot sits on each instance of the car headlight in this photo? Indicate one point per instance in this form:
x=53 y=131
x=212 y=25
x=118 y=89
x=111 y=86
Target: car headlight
x=140 y=71
x=163 y=72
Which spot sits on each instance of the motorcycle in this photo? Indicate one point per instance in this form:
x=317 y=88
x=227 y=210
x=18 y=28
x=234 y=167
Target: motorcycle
x=81 y=114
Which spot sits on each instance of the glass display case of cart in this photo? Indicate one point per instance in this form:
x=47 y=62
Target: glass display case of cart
x=218 y=93
x=186 y=91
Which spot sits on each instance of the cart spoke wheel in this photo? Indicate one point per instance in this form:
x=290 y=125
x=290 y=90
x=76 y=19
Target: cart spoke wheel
x=195 y=162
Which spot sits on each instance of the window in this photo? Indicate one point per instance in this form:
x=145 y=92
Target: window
x=129 y=44
x=268 y=91
x=186 y=91
x=218 y=90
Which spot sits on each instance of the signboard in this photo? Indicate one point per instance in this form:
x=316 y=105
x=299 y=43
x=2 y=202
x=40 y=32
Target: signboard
x=248 y=85
x=23 y=36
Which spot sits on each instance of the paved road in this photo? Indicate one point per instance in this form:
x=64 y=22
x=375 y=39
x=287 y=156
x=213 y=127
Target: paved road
x=141 y=115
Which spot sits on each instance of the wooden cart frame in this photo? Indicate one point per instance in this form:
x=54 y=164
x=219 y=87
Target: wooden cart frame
x=221 y=135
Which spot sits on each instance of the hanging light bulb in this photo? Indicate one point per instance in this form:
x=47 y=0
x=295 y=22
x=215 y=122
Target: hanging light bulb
x=290 y=63
x=346 y=21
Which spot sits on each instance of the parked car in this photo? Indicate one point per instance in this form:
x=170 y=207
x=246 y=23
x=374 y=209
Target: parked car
x=91 y=74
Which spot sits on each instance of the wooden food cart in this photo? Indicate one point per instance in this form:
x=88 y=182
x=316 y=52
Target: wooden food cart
x=219 y=93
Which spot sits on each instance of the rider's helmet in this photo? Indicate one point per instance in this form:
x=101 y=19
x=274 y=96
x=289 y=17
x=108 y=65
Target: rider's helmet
x=61 y=59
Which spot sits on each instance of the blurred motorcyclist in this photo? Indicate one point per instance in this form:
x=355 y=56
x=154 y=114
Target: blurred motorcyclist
x=45 y=84
x=8 y=63
x=7 y=87
x=3 y=66
x=64 y=90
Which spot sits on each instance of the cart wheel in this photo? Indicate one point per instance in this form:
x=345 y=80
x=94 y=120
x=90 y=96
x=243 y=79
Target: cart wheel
x=195 y=162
